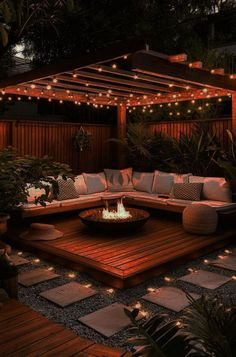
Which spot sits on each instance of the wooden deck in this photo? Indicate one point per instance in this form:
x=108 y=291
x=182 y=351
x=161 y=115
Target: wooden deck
x=127 y=260
x=24 y=332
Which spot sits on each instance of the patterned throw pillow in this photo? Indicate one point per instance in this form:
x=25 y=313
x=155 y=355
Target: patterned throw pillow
x=119 y=180
x=188 y=191
x=66 y=189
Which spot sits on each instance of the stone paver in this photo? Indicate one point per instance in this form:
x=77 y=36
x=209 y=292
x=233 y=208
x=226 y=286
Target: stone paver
x=68 y=294
x=226 y=262
x=36 y=276
x=170 y=297
x=108 y=320
x=17 y=260
x=205 y=279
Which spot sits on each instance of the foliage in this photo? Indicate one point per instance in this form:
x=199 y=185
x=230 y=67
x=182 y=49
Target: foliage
x=195 y=152
x=17 y=174
x=156 y=338
x=137 y=145
x=209 y=327
x=206 y=329
x=228 y=160
x=18 y=17
x=82 y=139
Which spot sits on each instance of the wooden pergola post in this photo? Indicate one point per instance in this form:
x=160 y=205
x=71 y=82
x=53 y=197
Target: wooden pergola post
x=234 y=113
x=121 y=134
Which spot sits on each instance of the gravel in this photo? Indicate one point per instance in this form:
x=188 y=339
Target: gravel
x=69 y=316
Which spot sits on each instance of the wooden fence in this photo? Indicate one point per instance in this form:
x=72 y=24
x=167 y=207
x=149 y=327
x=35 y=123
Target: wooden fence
x=56 y=140
x=174 y=129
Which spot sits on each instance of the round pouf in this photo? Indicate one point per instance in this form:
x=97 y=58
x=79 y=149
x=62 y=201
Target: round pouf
x=199 y=219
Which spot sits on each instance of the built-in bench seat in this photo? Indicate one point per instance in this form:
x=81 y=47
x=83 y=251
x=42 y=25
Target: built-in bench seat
x=153 y=190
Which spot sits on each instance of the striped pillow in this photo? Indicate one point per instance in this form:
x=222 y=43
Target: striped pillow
x=188 y=191
x=66 y=189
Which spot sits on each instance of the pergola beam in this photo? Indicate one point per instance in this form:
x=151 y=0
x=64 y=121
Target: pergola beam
x=144 y=78
x=155 y=66
x=108 y=79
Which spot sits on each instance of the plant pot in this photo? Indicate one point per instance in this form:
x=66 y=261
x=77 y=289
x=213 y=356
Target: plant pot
x=3 y=223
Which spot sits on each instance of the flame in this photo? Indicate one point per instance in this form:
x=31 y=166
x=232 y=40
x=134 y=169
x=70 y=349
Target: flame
x=120 y=212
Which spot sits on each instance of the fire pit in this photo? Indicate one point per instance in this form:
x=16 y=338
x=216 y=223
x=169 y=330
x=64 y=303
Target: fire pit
x=115 y=219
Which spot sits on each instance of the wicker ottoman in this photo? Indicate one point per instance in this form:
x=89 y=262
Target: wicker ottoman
x=199 y=219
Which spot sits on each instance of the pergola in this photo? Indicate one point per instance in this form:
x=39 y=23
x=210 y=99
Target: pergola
x=124 y=75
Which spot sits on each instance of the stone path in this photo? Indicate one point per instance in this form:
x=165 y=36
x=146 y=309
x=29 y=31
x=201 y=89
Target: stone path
x=111 y=319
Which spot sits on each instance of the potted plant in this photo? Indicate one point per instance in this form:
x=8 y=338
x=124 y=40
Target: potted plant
x=82 y=139
x=18 y=174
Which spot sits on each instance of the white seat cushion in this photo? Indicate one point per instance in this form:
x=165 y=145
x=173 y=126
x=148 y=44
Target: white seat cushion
x=33 y=206
x=82 y=199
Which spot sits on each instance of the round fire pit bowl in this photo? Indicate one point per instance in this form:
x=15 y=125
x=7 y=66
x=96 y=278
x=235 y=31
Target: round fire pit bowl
x=93 y=219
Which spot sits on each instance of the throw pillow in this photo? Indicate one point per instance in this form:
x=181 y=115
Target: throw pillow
x=163 y=184
x=119 y=180
x=80 y=185
x=66 y=189
x=95 y=182
x=178 y=178
x=142 y=181
x=214 y=188
x=188 y=191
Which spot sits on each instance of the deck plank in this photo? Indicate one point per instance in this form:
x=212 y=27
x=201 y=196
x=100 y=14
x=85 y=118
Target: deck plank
x=33 y=335
x=128 y=259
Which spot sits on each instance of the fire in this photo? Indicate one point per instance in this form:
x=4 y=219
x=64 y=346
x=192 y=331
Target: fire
x=119 y=213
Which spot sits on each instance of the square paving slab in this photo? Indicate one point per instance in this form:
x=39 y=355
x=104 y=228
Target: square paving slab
x=228 y=262
x=170 y=297
x=36 y=276
x=205 y=279
x=67 y=294
x=108 y=320
x=17 y=260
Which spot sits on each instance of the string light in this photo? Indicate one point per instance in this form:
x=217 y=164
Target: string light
x=206 y=261
x=32 y=86
x=114 y=66
x=227 y=251
x=50 y=268
x=72 y=275
x=234 y=277
x=55 y=80
x=20 y=253
x=151 y=290
x=37 y=260
x=49 y=87
x=110 y=291
x=167 y=279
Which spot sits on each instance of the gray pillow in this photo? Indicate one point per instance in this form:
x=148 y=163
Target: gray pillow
x=142 y=181
x=119 y=180
x=163 y=184
x=66 y=189
x=188 y=191
x=95 y=182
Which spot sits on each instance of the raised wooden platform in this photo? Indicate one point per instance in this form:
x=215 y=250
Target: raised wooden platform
x=127 y=260
x=24 y=332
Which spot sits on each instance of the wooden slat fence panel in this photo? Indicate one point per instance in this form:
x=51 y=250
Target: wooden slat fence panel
x=174 y=129
x=56 y=140
x=5 y=134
